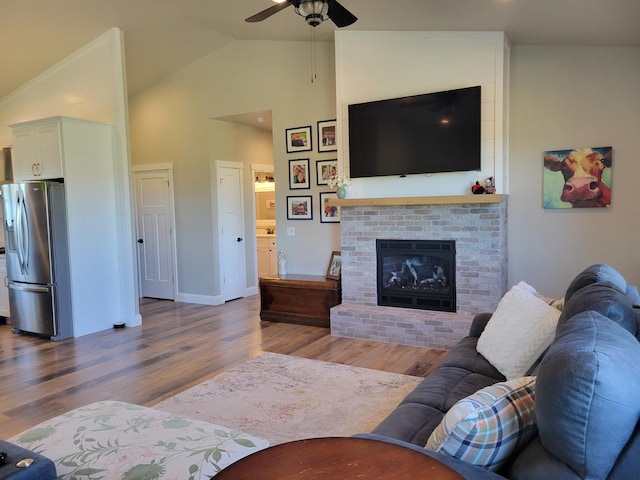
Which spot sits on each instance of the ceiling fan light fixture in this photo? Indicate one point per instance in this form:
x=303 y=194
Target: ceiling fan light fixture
x=313 y=11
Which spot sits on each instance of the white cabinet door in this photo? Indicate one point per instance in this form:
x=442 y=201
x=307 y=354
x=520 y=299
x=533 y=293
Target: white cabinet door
x=50 y=154
x=37 y=152
x=263 y=257
x=273 y=257
x=267 y=257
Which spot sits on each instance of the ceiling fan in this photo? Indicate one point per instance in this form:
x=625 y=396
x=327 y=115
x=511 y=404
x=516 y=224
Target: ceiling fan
x=313 y=11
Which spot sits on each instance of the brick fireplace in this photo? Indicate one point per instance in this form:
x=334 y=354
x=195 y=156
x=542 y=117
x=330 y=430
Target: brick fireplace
x=477 y=224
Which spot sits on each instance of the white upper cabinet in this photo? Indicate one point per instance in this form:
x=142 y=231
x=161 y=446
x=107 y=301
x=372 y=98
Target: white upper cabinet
x=38 y=150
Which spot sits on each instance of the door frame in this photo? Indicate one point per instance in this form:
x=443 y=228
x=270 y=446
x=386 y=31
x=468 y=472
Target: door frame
x=168 y=169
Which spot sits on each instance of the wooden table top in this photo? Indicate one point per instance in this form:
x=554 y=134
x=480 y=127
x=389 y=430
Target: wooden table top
x=304 y=281
x=337 y=458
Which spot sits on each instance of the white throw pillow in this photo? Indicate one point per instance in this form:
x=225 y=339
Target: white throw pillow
x=486 y=428
x=519 y=331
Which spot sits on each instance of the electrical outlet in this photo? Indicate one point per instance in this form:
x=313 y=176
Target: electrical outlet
x=291 y=231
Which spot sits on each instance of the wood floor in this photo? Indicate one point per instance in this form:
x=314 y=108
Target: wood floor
x=178 y=346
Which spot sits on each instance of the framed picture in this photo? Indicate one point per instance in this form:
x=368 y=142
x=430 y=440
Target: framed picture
x=299 y=174
x=299 y=139
x=329 y=213
x=577 y=178
x=327 y=136
x=325 y=170
x=335 y=266
x=299 y=208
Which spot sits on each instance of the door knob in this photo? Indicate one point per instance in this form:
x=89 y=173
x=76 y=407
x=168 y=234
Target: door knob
x=140 y=240
x=239 y=239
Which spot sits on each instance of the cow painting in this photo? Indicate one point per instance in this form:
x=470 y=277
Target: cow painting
x=579 y=178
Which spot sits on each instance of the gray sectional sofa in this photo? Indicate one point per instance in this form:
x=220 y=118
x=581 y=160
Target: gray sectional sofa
x=587 y=390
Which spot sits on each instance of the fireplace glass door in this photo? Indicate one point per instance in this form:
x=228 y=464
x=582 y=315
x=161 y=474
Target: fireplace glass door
x=417 y=274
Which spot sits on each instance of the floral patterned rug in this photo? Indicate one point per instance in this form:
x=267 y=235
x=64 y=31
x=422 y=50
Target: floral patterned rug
x=283 y=398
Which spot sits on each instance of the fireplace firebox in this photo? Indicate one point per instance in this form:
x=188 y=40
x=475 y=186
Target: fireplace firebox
x=418 y=274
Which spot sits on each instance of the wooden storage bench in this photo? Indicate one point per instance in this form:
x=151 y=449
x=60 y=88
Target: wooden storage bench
x=303 y=299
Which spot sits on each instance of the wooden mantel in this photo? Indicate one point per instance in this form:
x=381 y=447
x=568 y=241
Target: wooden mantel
x=439 y=200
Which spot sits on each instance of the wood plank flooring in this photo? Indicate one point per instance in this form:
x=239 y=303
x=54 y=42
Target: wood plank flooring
x=178 y=346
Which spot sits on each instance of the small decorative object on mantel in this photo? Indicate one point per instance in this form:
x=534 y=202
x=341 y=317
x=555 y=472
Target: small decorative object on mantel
x=339 y=183
x=489 y=185
x=486 y=185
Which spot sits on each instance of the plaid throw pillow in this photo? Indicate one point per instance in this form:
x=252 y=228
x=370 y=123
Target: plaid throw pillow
x=486 y=428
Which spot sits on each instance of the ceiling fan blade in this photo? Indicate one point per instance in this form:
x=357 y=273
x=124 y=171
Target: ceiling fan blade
x=258 y=17
x=340 y=15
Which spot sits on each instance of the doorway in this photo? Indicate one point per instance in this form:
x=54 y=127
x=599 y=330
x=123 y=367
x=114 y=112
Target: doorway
x=155 y=227
x=264 y=200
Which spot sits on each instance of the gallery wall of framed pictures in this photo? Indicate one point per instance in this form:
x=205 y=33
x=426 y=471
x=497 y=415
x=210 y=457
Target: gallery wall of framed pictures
x=302 y=167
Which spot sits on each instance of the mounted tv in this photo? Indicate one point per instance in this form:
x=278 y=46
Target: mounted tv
x=428 y=133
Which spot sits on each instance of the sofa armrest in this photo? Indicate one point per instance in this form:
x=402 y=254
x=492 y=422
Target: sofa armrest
x=467 y=470
x=478 y=324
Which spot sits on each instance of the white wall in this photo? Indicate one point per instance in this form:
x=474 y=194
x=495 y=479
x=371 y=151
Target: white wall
x=380 y=65
x=563 y=98
x=560 y=97
x=171 y=122
x=90 y=84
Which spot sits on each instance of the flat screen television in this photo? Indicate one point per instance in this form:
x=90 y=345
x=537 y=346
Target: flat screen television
x=428 y=133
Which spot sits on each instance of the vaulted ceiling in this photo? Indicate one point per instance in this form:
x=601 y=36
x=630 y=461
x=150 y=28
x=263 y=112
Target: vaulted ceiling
x=162 y=36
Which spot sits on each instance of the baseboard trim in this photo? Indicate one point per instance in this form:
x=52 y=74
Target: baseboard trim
x=249 y=291
x=200 y=299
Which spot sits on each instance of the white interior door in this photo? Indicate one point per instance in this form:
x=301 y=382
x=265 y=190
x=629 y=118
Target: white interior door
x=231 y=230
x=154 y=203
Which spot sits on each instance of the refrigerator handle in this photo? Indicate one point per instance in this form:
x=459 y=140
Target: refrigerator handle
x=27 y=287
x=22 y=235
x=18 y=233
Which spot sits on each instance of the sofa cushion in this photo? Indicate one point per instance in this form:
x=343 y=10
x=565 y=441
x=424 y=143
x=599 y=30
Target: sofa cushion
x=423 y=408
x=597 y=273
x=486 y=428
x=600 y=297
x=465 y=356
x=588 y=394
x=463 y=372
x=519 y=331
x=535 y=462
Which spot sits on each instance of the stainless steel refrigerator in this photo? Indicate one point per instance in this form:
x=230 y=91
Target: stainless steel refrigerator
x=36 y=246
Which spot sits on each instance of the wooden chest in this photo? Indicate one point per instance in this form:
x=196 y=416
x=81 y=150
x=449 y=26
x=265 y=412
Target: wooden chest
x=302 y=299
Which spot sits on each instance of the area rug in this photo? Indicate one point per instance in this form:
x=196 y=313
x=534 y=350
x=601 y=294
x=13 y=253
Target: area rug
x=283 y=398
